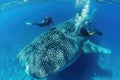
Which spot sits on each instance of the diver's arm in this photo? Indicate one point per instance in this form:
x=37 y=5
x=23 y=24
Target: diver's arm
x=39 y=24
x=52 y=22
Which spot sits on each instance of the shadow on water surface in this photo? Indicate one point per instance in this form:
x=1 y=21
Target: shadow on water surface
x=85 y=68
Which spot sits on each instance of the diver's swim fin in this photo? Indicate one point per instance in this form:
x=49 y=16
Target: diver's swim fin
x=28 y=23
x=98 y=32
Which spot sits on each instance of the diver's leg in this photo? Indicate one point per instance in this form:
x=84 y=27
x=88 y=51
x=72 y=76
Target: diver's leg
x=37 y=24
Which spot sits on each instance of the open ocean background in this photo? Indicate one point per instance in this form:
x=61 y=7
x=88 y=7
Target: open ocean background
x=15 y=34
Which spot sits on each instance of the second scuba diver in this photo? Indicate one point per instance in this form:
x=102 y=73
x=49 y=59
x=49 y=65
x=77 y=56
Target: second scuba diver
x=85 y=32
x=46 y=22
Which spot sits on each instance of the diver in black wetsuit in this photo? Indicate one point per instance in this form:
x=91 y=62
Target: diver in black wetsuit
x=85 y=32
x=47 y=21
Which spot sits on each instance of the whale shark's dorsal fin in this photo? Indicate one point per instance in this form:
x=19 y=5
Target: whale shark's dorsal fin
x=89 y=47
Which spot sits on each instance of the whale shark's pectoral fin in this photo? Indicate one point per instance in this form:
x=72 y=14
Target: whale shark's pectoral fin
x=89 y=47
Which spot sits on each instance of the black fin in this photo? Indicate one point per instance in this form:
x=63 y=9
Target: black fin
x=99 y=33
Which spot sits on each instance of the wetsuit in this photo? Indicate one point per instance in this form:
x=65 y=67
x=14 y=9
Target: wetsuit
x=47 y=21
x=85 y=32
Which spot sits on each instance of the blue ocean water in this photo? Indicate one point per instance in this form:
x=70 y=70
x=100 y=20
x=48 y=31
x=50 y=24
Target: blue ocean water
x=15 y=34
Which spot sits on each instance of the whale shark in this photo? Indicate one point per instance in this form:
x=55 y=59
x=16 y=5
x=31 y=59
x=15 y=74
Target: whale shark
x=58 y=47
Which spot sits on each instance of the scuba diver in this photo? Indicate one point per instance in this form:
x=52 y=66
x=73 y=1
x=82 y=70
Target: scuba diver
x=47 y=21
x=85 y=32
